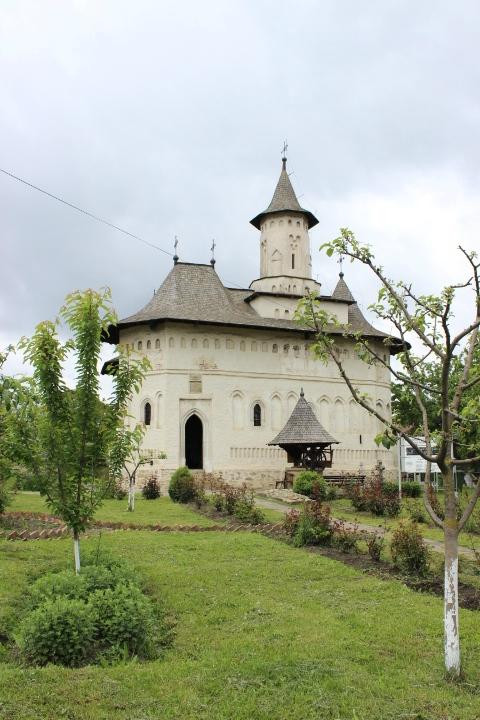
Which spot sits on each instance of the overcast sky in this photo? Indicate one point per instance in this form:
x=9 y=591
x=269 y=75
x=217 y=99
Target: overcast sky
x=168 y=118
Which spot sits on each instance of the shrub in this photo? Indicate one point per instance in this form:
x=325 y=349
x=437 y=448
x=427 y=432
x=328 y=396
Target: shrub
x=473 y=523
x=54 y=585
x=124 y=619
x=344 y=538
x=290 y=522
x=151 y=489
x=375 y=543
x=100 y=577
x=311 y=484
x=313 y=526
x=331 y=492
x=60 y=631
x=411 y=489
x=417 y=512
x=182 y=486
x=376 y=497
x=246 y=512
x=408 y=548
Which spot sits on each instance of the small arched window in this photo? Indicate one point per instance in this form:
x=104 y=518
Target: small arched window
x=147 y=413
x=275 y=348
x=157 y=343
x=293 y=261
x=139 y=345
x=149 y=344
x=257 y=415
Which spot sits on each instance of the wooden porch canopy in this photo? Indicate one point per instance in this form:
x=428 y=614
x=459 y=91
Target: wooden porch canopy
x=304 y=439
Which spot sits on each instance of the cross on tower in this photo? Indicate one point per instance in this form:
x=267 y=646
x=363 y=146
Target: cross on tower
x=175 y=256
x=284 y=150
x=214 y=245
x=340 y=262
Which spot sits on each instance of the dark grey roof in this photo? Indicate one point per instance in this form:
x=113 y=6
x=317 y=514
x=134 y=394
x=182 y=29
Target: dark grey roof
x=342 y=291
x=302 y=427
x=284 y=199
x=194 y=293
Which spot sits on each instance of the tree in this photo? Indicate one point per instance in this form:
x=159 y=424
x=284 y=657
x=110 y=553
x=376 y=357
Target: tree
x=75 y=432
x=423 y=324
x=18 y=407
x=126 y=456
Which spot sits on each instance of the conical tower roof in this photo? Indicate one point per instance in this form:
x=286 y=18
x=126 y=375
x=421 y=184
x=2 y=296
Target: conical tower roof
x=303 y=428
x=284 y=200
x=342 y=291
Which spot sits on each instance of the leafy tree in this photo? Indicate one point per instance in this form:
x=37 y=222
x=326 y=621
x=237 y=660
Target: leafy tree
x=126 y=457
x=75 y=433
x=423 y=324
x=18 y=408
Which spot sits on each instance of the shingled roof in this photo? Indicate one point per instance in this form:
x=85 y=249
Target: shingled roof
x=194 y=293
x=342 y=291
x=303 y=428
x=284 y=200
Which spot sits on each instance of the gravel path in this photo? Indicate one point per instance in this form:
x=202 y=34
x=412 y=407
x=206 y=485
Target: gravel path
x=436 y=545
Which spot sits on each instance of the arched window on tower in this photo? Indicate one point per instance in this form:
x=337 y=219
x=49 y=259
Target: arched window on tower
x=293 y=261
x=147 y=413
x=257 y=415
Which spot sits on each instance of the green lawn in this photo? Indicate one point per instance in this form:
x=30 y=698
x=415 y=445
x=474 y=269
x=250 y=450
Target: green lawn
x=147 y=512
x=263 y=632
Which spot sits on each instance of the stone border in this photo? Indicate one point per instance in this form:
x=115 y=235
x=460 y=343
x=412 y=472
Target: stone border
x=62 y=530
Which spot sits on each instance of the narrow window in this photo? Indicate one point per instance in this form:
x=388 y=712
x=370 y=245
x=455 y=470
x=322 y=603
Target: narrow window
x=139 y=345
x=257 y=415
x=147 y=413
x=293 y=261
x=149 y=344
x=275 y=348
x=157 y=344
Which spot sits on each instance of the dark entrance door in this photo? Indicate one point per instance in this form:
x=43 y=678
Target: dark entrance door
x=194 y=443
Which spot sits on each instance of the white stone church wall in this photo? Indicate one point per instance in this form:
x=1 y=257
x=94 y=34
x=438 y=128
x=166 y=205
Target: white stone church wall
x=237 y=369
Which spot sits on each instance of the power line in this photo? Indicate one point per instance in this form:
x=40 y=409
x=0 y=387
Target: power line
x=84 y=212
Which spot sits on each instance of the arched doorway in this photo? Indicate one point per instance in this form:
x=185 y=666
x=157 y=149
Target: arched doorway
x=194 y=443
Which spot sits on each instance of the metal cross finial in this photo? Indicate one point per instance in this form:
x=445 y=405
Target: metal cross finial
x=284 y=149
x=175 y=244
x=340 y=262
x=214 y=245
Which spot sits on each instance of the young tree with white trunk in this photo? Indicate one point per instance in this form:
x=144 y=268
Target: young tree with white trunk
x=423 y=325
x=126 y=457
x=75 y=431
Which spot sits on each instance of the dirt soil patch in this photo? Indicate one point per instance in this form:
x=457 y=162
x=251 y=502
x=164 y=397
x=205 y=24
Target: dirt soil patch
x=468 y=596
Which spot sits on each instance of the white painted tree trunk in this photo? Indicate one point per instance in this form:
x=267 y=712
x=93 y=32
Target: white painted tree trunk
x=452 y=632
x=131 y=495
x=76 y=552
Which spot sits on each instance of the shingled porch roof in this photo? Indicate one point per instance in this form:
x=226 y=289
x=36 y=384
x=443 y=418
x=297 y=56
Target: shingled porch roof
x=303 y=428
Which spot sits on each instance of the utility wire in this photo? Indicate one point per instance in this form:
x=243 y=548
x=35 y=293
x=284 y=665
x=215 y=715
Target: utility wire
x=84 y=212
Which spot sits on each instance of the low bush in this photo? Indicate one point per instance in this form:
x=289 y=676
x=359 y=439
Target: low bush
x=60 y=631
x=473 y=523
x=124 y=620
x=54 y=585
x=344 y=538
x=313 y=525
x=411 y=489
x=408 y=549
x=311 y=484
x=247 y=512
x=182 y=486
x=377 y=497
x=151 y=489
x=375 y=543
x=416 y=511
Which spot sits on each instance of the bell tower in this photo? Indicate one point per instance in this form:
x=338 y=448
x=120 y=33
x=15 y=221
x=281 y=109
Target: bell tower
x=285 y=259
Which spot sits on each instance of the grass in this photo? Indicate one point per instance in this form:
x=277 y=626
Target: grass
x=263 y=631
x=147 y=512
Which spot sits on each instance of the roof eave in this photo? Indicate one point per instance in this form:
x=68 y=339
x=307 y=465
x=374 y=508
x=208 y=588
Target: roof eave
x=257 y=220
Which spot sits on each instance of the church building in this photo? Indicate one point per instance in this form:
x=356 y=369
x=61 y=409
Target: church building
x=228 y=364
